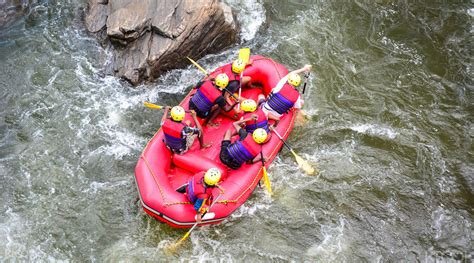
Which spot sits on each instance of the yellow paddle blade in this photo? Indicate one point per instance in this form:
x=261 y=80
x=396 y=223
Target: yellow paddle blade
x=266 y=181
x=173 y=247
x=244 y=54
x=303 y=164
x=152 y=106
x=198 y=66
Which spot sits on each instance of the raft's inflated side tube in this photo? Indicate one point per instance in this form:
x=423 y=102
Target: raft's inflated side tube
x=196 y=163
x=266 y=72
x=156 y=166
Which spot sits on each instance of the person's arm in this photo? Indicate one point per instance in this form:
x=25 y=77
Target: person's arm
x=198 y=127
x=165 y=115
x=237 y=124
x=199 y=84
x=299 y=103
x=306 y=68
x=258 y=158
x=224 y=106
x=273 y=117
x=282 y=81
x=252 y=117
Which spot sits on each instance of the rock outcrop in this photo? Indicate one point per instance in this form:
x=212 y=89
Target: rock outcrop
x=152 y=36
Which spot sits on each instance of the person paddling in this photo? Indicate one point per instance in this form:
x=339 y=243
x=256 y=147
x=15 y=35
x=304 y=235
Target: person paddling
x=199 y=190
x=209 y=96
x=236 y=80
x=245 y=149
x=284 y=95
x=256 y=117
x=179 y=135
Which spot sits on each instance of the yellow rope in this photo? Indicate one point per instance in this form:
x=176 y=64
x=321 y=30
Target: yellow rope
x=154 y=177
x=220 y=201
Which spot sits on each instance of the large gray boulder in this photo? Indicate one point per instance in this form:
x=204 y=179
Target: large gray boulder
x=152 y=36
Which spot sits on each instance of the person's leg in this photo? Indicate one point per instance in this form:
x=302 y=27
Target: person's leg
x=224 y=155
x=213 y=115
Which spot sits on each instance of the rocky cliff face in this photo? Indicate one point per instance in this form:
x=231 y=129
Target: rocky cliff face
x=152 y=36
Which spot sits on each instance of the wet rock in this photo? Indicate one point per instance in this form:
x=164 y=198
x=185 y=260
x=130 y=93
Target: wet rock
x=151 y=36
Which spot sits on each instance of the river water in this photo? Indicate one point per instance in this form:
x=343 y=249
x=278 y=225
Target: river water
x=391 y=105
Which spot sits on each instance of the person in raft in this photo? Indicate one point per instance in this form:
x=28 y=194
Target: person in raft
x=233 y=71
x=209 y=96
x=199 y=190
x=179 y=135
x=284 y=95
x=245 y=149
x=255 y=116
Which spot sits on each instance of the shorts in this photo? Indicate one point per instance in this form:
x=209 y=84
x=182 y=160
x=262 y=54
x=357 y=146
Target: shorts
x=225 y=157
x=266 y=109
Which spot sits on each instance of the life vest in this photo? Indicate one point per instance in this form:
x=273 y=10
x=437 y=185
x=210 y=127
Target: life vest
x=283 y=100
x=173 y=138
x=261 y=121
x=205 y=96
x=242 y=151
x=197 y=189
x=227 y=69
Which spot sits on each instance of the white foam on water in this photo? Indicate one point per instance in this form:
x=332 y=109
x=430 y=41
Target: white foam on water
x=248 y=209
x=470 y=12
x=332 y=244
x=375 y=130
x=250 y=14
x=14 y=230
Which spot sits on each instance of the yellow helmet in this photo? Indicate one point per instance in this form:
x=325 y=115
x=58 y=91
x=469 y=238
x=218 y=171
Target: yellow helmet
x=212 y=176
x=294 y=79
x=222 y=80
x=238 y=66
x=248 y=105
x=177 y=113
x=259 y=135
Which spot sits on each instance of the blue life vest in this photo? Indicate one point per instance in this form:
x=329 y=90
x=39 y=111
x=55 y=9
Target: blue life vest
x=261 y=121
x=173 y=138
x=197 y=188
x=283 y=100
x=242 y=151
x=206 y=96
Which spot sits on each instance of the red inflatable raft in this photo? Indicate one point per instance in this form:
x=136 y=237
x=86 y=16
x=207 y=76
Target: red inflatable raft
x=159 y=172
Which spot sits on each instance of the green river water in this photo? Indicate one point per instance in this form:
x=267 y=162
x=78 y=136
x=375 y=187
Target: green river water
x=391 y=104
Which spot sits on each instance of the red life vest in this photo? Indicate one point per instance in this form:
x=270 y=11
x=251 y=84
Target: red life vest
x=242 y=151
x=261 y=122
x=197 y=189
x=206 y=96
x=173 y=138
x=283 y=100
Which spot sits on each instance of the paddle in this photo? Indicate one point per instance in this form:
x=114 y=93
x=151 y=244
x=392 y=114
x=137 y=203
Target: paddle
x=266 y=180
x=303 y=164
x=306 y=76
x=173 y=247
x=198 y=66
x=152 y=106
x=157 y=107
x=244 y=54
x=207 y=74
